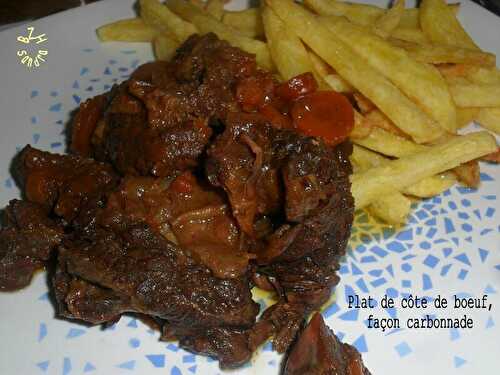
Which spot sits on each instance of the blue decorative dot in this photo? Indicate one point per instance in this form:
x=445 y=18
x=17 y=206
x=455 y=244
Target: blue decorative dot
x=425 y=245
x=403 y=349
x=134 y=343
x=467 y=227
x=55 y=107
x=406 y=267
x=360 y=344
x=158 y=360
x=66 y=366
x=459 y=361
x=431 y=261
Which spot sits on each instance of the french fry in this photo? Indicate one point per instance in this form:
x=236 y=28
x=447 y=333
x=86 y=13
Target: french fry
x=198 y=3
x=465 y=115
x=431 y=186
x=159 y=16
x=410 y=17
x=362 y=128
x=468 y=174
x=215 y=8
x=392 y=208
x=410 y=35
x=249 y=21
x=449 y=71
x=402 y=111
x=489 y=118
x=442 y=54
x=321 y=69
x=365 y=14
x=398 y=174
x=441 y=26
x=165 y=47
x=362 y=14
x=389 y=144
x=425 y=188
x=475 y=95
x=421 y=83
x=337 y=83
x=385 y=24
x=128 y=30
x=482 y=75
x=206 y=23
x=320 y=66
x=287 y=51
x=378 y=120
x=364 y=104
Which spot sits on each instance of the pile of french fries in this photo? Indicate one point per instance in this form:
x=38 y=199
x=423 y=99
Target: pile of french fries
x=414 y=75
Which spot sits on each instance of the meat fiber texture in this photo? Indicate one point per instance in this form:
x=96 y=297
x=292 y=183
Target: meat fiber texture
x=176 y=201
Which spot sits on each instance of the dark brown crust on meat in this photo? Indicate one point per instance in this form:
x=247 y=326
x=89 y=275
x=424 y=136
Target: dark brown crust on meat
x=177 y=197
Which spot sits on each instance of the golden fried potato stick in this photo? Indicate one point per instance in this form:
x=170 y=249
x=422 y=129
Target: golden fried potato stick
x=205 y=23
x=248 y=21
x=215 y=8
x=441 y=25
x=384 y=94
x=365 y=14
x=443 y=54
x=165 y=47
x=160 y=17
x=410 y=35
x=410 y=18
x=489 y=118
x=425 y=188
x=287 y=50
x=368 y=186
x=420 y=82
x=467 y=94
x=127 y=30
x=465 y=115
x=392 y=208
x=390 y=20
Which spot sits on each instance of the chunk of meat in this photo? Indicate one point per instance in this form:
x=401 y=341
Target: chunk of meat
x=27 y=240
x=85 y=123
x=169 y=131
x=240 y=161
x=202 y=182
x=159 y=279
x=79 y=299
x=63 y=183
x=194 y=216
x=229 y=346
x=319 y=352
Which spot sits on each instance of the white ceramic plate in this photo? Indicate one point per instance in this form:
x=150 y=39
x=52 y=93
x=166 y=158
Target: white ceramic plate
x=450 y=246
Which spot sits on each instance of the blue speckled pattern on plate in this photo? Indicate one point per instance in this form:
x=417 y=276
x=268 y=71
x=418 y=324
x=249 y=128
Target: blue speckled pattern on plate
x=450 y=246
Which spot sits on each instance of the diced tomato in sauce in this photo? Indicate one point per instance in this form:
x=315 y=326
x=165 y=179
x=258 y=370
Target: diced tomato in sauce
x=297 y=104
x=296 y=87
x=275 y=117
x=255 y=91
x=325 y=114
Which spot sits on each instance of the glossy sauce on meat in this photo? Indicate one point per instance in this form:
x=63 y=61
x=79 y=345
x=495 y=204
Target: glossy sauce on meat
x=187 y=185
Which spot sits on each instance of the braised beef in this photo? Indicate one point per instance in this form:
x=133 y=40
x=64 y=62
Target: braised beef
x=63 y=183
x=187 y=185
x=319 y=352
x=27 y=239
